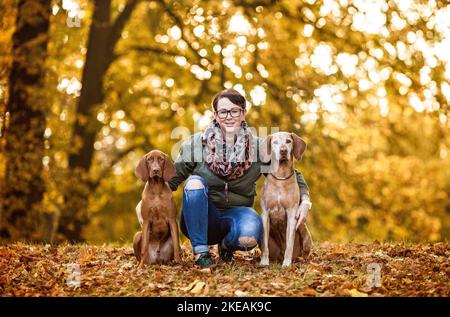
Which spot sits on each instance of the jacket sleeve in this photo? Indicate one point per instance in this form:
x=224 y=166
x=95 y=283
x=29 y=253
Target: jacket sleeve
x=304 y=189
x=184 y=165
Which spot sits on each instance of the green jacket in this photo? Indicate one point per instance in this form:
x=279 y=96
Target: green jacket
x=241 y=191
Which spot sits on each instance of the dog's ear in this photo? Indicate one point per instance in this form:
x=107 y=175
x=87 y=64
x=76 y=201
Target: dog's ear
x=169 y=168
x=299 y=146
x=141 y=170
x=265 y=149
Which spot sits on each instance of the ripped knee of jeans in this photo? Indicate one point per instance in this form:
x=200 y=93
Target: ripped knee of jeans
x=247 y=242
x=194 y=184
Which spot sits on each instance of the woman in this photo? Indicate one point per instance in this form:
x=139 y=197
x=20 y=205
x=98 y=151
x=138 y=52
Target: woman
x=218 y=195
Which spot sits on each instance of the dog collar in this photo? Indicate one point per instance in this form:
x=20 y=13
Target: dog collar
x=282 y=178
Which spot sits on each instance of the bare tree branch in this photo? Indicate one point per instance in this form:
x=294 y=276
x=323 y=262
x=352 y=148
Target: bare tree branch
x=154 y=49
x=119 y=24
x=255 y=3
x=179 y=22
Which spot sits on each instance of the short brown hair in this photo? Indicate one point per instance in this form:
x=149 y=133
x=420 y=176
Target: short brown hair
x=233 y=95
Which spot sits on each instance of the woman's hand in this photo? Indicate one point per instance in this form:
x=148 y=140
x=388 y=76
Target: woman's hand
x=302 y=211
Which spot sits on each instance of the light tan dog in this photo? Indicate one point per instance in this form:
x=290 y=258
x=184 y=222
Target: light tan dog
x=158 y=242
x=280 y=200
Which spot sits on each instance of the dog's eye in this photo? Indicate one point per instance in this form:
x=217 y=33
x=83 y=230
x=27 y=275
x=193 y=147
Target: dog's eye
x=275 y=142
x=288 y=141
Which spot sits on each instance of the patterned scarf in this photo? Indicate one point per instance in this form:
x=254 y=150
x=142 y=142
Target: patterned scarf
x=238 y=156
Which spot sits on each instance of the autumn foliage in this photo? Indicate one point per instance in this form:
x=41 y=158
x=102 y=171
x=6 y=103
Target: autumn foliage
x=333 y=270
x=364 y=83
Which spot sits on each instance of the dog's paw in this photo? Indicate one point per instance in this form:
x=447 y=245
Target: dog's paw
x=287 y=263
x=264 y=262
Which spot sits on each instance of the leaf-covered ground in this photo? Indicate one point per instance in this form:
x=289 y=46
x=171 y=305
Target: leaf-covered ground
x=332 y=270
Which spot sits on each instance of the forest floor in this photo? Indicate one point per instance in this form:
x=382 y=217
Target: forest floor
x=332 y=270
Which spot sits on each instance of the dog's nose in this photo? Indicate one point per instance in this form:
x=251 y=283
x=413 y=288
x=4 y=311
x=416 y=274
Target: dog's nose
x=283 y=151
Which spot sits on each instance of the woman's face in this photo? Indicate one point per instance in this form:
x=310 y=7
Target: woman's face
x=229 y=115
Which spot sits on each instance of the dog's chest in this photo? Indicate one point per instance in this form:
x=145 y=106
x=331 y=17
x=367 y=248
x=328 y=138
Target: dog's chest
x=158 y=224
x=279 y=197
x=158 y=212
x=278 y=217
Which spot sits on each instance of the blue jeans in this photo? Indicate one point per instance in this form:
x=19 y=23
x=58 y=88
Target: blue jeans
x=236 y=228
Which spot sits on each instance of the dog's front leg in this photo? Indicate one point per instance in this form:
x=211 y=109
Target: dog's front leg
x=306 y=240
x=144 y=244
x=290 y=237
x=175 y=240
x=265 y=242
x=139 y=213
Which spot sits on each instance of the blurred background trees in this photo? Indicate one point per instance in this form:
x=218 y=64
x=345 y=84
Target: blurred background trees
x=365 y=83
x=23 y=149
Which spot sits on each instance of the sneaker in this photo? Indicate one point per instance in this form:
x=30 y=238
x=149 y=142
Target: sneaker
x=225 y=255
x=204 y=260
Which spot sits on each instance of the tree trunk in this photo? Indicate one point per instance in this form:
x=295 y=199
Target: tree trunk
x=103 y=36
x=23 y=190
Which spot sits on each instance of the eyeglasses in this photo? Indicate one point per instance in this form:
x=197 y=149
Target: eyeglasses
x=223 y=114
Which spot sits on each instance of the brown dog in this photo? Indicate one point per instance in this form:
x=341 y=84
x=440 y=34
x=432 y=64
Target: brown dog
x=280 y=199
x=158 y=242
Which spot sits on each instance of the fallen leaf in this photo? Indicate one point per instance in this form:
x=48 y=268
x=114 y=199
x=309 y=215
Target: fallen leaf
x=198 y=288
x=190 y=286
x=407 y=281
x=343 y=292
x=310 y=292
x=85 y=256
x=206 y=290
x=240 y=293
x=355 y=293
x=314 y=265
